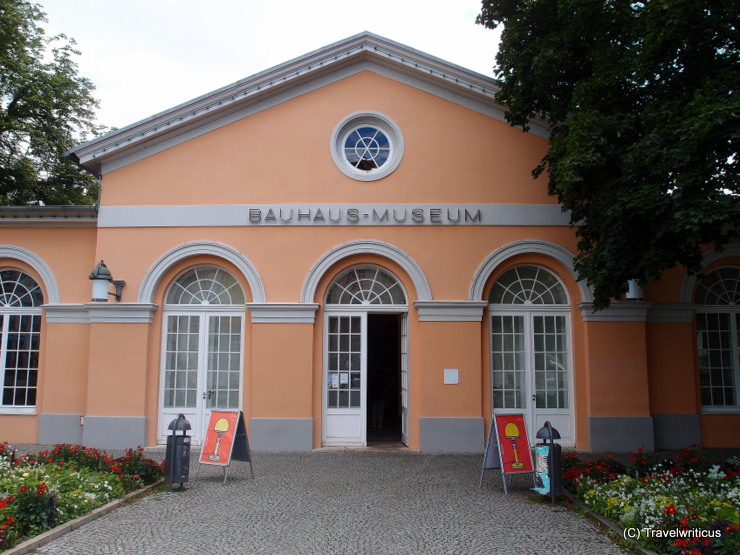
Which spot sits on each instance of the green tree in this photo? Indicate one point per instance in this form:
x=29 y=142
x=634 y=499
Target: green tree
x=641 y=98
x=45 y=109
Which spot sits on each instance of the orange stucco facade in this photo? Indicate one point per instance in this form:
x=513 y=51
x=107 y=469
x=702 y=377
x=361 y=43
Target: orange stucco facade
x=249 y=181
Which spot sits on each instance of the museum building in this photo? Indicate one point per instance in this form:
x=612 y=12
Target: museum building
x=349 y=248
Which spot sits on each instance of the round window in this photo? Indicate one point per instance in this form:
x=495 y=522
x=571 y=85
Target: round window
x=367 y=146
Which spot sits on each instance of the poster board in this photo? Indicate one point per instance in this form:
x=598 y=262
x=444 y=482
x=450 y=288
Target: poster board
x=508 y=441
x=226 y=440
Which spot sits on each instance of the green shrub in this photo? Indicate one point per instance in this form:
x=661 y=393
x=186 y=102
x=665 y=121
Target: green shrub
x=38 y=492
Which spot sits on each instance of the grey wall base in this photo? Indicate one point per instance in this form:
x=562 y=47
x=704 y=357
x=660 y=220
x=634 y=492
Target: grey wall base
x=620 y=434
x=674 y=431
x=451 y=435
x=281 y=434
x=114 y=432
x=60 y=428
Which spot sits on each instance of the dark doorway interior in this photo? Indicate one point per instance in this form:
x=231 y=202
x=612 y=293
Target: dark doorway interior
x=384 y=378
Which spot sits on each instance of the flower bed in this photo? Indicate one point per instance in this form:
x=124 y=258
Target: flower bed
x=683 y=504
x=38 y=492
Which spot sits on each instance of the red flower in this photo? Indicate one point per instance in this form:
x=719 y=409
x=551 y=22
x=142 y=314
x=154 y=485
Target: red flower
x=23 y=488
x=684 y=522
x=670 y=509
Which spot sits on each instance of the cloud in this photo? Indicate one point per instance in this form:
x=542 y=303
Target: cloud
x=145 y=56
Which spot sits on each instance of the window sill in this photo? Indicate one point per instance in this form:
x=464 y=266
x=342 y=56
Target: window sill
x=28 y=411
x=732 y=409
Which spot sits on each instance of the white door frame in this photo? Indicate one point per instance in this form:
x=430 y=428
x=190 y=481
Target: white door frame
x=561 y=419
x=348 y=427
x=199 y=415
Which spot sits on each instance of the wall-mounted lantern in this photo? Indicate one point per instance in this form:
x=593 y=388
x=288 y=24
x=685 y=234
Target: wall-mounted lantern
x=101 y=277
x=634 y=290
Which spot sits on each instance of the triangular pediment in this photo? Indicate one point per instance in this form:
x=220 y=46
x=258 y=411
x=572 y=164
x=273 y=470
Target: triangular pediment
x=210 y=111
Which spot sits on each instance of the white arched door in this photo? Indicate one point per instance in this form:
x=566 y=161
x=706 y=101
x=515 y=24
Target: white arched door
x=352 y=301
x=202 y=353
x=530 y=349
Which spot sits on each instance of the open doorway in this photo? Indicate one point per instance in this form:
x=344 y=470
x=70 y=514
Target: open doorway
x=384 y=409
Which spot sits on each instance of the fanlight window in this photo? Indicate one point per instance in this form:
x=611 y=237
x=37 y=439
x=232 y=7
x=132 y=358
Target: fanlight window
x=368 y=285
x=19 y=290
x=205 y=285
x=721 y=287
x=528 y=285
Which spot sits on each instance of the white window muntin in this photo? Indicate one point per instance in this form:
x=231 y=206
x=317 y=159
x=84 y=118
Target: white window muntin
x=362 y=285
x=367 y=146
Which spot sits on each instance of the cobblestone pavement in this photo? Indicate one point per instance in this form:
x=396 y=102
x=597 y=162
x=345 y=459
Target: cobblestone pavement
x=340 y=502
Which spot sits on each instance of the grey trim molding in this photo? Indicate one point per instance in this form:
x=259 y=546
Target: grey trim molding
x=107 y=313
x=66 y=314
x=35 y=261
x=283 y=313
x=121 y=313
x=671 y=313
x=499 y=256
x=281 y=434
x=60 y=428
x=620 y=434
x=414 y=271
x=674 y=431
x=618 y=311
x=114 y=432
x=187 y=250
x=333 y=215
x=451 y=435
x=450 y=311
x=48 y=216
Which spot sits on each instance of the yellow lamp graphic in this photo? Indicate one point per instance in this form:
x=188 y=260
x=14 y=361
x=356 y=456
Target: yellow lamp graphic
x=221 y=427
x=511 y=431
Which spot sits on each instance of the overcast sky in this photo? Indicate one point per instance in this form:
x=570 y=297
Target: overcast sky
x=145 y=56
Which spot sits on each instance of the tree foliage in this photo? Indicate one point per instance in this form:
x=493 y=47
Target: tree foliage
x=45 y=109
x=642 y=102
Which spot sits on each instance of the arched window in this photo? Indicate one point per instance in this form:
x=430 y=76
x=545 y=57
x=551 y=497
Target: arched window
x=20 y=334
x=718 y=336
x=528 y=285
x=530 y=346
x=205 y=285
x=366 y=286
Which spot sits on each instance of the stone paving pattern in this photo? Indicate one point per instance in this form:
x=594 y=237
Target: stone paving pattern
x=340 y=502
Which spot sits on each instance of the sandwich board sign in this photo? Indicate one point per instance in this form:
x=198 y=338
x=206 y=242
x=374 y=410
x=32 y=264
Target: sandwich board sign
x=507 y=448
x=226 y=440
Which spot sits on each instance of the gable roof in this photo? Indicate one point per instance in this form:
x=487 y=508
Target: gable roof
x=288 y=80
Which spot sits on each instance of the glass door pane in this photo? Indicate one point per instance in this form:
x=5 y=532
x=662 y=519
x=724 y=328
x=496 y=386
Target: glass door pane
x=181 y=361
x=344 y=370
x=224 y=362
x=550 y=351
x=508 y=361
x=405 y=379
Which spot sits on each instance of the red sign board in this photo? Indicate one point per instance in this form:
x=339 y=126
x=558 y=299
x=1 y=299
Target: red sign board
x=513 y=443
x=220 y=438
